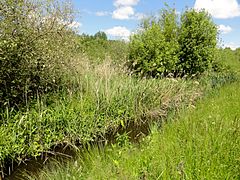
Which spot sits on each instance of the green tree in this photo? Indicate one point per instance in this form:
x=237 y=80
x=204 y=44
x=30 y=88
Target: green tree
x=35 y=43
x=100 y=35
x=154 y=49
x=237 y=53
x=197 y=40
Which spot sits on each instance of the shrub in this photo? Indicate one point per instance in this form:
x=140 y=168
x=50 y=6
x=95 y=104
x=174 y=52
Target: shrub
x=101 y=35
x=35 y=42
x=153 y=51
x=94 y=47
x=197 y=40
x=164 y=46
x=118 y=51
x=97 y=48
x=237 y=53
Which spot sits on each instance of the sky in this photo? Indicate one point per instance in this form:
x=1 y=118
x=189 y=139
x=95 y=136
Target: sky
x=120 y=18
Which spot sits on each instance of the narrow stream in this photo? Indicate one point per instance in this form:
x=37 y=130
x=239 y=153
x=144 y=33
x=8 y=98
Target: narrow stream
x=63 y=153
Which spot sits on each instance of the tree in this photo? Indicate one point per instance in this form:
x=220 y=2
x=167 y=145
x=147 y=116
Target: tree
x=154 y=49
x=35 y=43
x=101 y=35
x=237 y=53
x=164 y=46
x=197 y=40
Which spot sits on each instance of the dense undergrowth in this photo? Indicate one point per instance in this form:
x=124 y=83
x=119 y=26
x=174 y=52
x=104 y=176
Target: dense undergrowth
x=104 y=99
x=200 y=143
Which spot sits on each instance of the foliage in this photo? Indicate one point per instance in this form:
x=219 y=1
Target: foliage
x=93 y=46
x=153 y=51
x=118 y=51
x=229 y=59
x=165 y=46
x=97 y=48
x=35 y=45
x=237 y=53
x=197 y=40
x=100 y=35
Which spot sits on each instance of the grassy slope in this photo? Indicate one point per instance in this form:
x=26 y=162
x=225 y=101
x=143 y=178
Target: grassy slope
x=204 y=143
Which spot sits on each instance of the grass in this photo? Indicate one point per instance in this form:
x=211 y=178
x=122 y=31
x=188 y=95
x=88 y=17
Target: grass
x=203 y=142
x=103 y=99
x=98 y=99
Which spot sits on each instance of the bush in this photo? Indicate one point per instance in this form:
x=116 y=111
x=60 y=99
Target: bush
x=153 y=51
x=97 y=48
x=197 y=40
x=164 y=46
x=94 y=47
x=35 y=43
x=237 y=54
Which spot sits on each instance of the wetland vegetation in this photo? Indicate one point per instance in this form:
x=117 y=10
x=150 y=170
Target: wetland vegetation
x=162 y=106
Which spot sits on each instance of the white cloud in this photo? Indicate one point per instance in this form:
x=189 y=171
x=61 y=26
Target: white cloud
x=118 y=3
x=119 y=32
x=221 y=9
x=224 y=29
x=124 y=12
x=232 y=45
x=102 y=13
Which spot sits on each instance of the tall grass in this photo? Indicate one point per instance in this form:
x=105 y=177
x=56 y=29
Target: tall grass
x=202 y=143
x=95 y=101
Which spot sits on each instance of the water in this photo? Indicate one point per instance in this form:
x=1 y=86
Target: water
x=61 y=153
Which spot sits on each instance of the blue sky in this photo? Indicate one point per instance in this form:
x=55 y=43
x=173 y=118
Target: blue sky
x=119 y=18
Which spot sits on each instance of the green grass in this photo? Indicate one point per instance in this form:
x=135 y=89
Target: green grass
x=96 y=100
x=203 y=142
x=103 y=99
